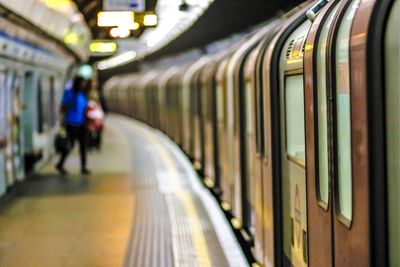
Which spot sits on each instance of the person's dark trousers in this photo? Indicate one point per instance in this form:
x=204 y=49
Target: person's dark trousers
x=76 y=133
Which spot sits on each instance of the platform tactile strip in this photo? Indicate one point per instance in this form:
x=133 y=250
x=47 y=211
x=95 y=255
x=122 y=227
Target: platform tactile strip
x=171 y=226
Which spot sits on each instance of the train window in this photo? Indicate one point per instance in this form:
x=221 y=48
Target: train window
x=3 y=116
x=322 y=115
x=45 y=102
x=220 y=102
x=294 y=111
x=392 y=52
x=343 y=117
x=39 y=106
x=249 y=105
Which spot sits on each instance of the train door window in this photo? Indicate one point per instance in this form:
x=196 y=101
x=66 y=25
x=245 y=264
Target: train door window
x=343 y=117
x=322 y=115
x=220 y=101
x=40 y=105
x=294 y=110
x=249 y=107
x=3 y=114
x=260 y=107
x=52 y=100
x=392 y=51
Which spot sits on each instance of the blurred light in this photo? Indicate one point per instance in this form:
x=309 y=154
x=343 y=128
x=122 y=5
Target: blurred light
x=150 y=20
x=77 y=18
x=121 y=32
x=114 y=32
x=236 y=223
x=115 y=18
x=59 y=5
x=134 y=26
x=71 y=38
x=225 y=206
x=103 y=47
x=85 y=71
x=117 y=60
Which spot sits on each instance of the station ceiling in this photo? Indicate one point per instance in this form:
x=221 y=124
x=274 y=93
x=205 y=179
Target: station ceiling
x=222 y=18
x=90 y=8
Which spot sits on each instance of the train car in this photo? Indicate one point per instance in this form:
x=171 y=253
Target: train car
x=345 y=140
x=187 y=106
x=296 y=128
x=174 y=105
x=151 y=88
x=148 y=103
x=34 y=69
x=209 y=114
x=242 y=194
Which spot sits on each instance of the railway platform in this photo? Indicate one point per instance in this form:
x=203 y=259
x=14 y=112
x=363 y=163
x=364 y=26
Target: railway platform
x=142 y=206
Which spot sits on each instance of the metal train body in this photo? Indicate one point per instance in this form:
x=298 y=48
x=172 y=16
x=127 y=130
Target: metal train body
x=296 y=129
x=33 y=72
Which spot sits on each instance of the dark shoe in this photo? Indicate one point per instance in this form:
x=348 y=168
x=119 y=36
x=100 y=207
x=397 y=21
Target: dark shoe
x=61 y=170
x=85 y=171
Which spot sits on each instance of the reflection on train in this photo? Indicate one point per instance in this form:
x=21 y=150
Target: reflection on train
x=296 y=128
x=33 y=69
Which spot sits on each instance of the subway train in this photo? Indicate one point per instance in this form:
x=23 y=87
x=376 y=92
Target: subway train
x=295 y=127
x=34 y=68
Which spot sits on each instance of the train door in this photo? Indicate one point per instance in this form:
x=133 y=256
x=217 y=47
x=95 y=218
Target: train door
x=249 y=138
x=207 y=103
x=343 y=165
x=16 y=128
x=317 y=138
x=392 y=51
x=221 y=124
x=27 y=118
x=292 y=149
x=10 y=123
x=3 y=131
x=210 y=127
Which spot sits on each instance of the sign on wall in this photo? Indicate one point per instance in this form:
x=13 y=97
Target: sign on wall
x=120 y=5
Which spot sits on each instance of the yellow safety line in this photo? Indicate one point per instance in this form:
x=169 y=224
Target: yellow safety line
x=197 y=233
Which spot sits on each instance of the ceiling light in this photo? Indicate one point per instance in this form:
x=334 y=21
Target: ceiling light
x=118 y=18
x=114 y=32
x=103 y=47
x=134 y=26
x=150 y=20
x=59 y=5
x=121 y=32
x=124 y=32
x=117 y=60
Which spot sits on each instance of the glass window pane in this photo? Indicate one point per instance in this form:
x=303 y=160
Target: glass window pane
x=3 y=116
x=343 y=113
x=392 y=51
x=322 y=113
x=220 y=102
x=294 y=110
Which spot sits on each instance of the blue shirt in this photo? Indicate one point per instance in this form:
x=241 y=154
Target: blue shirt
x=75 y=104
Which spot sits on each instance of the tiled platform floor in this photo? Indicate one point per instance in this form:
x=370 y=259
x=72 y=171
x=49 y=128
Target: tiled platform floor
x=138 y=209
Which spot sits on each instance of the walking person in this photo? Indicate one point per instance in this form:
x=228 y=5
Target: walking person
x=73 y=108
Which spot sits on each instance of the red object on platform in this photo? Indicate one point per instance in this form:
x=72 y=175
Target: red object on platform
x=94 y=117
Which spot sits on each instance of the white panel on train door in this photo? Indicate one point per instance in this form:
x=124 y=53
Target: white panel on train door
x=9 y=118
x=17 y=133
x=3 y=119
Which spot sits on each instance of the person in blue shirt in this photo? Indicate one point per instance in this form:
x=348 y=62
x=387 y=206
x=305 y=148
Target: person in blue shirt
x=73 y=107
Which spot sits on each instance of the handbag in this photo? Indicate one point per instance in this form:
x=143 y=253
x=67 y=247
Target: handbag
x=62 y=141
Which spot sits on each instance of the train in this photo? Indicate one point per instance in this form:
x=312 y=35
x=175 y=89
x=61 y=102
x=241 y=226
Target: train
x=295 y=127
x=36 y=61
